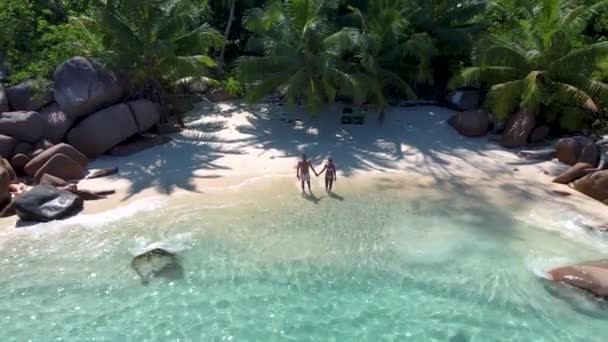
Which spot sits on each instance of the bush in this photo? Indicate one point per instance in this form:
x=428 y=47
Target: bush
x=234 y=87
x=55 y=44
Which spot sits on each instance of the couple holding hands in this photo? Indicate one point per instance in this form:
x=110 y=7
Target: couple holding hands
x=303 y=173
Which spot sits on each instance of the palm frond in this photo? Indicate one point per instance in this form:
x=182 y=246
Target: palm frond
x=532 y=95
x=567 y=93
x=583 y=60
x=503 y=99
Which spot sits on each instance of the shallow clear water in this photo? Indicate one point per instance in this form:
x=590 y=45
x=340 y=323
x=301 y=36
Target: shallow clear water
x=366 y=267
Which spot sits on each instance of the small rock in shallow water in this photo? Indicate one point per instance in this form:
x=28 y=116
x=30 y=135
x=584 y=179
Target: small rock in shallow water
x=459 y=337
x=590 y=276
x=157 y=263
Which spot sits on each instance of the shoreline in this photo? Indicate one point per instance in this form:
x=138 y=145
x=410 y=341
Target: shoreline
x=228 y=146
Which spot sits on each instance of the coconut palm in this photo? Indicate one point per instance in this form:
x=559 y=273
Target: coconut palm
x=389 y=51
x=231 y=7
x=451 y=23
x=154 y=43
x=302 y=53
x=541 y=70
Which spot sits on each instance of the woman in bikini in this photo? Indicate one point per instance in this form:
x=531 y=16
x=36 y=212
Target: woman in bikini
x=330 y=174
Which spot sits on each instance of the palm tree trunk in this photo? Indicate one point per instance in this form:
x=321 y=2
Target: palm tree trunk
x=226 y=35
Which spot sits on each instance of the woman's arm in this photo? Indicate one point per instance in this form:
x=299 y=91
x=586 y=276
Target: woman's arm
x=313 y=170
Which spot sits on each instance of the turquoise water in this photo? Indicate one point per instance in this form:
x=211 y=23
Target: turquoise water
x=365 y=267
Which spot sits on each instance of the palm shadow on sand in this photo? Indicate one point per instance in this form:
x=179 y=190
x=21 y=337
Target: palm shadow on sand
x=176 y=165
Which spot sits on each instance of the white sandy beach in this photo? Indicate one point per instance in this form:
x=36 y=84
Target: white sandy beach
x=232 y=144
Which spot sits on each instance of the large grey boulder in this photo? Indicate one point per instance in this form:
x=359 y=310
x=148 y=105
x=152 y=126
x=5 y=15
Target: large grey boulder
x=101 y=131
x=591 y=277
x=594 y=185
x=61 y=166
x=138 y=144
x=29 y=96
x=145 y=113
x=27 y=126
x=3 y=100
x=518 y=129
x=58 y=123
x=45 y=203
x=575 y=172
x=464 y=99
x=474 y=123
x=577 y=149
x=83 y=86
x=5 y=183
x=38 y=161
x=7 y=145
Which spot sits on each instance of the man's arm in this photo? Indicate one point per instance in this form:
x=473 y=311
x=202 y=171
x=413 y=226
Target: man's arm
x=313 y=169
x=298 y=171
x=335 y=173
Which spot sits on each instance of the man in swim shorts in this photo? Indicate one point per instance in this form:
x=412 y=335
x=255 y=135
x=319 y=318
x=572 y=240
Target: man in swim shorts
x=303 y=172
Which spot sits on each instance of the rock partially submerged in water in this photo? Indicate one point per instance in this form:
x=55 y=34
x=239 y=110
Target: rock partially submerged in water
x=157 y=263
x=591 y=277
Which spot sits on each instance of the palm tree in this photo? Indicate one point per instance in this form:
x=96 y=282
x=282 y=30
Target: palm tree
x=302 y=53
x=541 y=70
x=389 y=51
x=155 y=43
x=451 y=23
x=231 y=6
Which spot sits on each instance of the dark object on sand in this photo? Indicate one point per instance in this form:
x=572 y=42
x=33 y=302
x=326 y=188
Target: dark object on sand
x=157 y=263
x=543 y=154
x=561 y=193
x=45 y=203
x=353 y=120
x=347 y=110
x=88 y=195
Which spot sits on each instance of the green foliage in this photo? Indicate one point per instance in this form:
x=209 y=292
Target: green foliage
x=388 y=51
x=234 y=87
x=154 y=43
x=546 y=56
x=35 y=36
x=541 y=69
x=303 y=53
x=56 y=44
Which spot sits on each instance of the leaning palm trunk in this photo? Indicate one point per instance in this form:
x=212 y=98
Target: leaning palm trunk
x=226 y=36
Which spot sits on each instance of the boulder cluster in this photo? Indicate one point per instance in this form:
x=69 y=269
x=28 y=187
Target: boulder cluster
x=54 y=129
x=588 y=172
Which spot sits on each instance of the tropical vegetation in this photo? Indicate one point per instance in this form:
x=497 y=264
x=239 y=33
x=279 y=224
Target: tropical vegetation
x=540 y=65
x=548 y=57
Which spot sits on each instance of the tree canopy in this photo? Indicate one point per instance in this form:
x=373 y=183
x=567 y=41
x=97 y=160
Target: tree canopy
x=549 y=57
